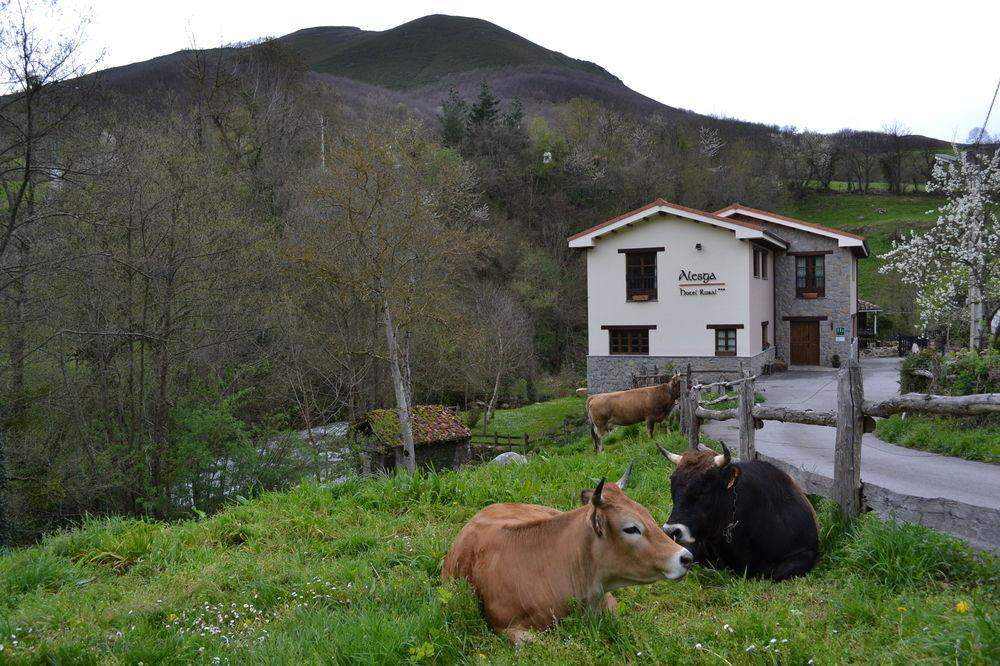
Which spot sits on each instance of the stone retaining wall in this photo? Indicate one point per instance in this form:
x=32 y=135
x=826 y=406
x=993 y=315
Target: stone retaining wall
x=614 y=373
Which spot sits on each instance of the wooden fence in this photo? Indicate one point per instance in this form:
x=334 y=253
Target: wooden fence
x=527 y=442
x=853 y=417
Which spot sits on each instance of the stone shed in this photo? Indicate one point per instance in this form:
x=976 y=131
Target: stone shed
x=440 y=438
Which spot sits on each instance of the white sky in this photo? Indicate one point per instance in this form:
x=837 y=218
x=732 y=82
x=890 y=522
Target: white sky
x=931 y=65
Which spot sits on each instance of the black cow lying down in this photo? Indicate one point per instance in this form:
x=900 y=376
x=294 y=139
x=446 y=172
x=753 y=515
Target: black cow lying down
x=746 y=516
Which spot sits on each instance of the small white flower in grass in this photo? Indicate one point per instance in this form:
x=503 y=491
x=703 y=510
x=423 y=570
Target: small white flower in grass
x=751 y=648
x=784 y=640
x=773 y=641
x=728 y=628
x=697 y=646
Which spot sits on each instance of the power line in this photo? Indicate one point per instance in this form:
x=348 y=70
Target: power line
x=982 y=130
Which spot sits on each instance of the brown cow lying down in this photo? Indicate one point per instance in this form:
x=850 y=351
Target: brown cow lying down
x=527 y=562
x=649 y=404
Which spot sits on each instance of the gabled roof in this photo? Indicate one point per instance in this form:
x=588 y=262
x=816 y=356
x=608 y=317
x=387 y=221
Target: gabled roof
x=431 y=423
x=743 y=230
x=843 y=238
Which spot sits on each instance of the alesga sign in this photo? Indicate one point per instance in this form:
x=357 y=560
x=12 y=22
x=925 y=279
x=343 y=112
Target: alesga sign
x=699 y=284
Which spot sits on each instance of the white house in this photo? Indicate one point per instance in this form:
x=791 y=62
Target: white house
x=667 y=283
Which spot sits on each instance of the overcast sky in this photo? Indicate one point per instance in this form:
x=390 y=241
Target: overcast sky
x=931 y=65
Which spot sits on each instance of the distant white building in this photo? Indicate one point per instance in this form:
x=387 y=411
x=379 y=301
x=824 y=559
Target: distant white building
x=667 y=283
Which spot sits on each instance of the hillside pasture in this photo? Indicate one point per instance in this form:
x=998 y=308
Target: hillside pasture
x=351 y=574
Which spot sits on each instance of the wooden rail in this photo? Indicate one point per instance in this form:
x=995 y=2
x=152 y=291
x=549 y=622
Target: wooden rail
x=853 y=417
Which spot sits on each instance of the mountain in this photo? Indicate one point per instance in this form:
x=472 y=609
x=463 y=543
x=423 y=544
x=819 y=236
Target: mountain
x=423 y=51
x=413 y=66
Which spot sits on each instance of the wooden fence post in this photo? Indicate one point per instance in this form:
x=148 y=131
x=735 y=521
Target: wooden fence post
x=744 y=410
x=691 y=407
x=850 y=428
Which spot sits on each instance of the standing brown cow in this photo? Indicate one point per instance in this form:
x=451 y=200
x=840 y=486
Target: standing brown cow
x=651 y=404
x=528 y=562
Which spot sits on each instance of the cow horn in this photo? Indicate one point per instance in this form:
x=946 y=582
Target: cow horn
x=702 y=447
x=723 y=460
x=596 y=498
x=622 y=482
x=672 y=457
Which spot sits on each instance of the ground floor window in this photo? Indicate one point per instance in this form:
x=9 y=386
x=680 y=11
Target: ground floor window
x=725 y=342
x=628 y=340
x=763 y=335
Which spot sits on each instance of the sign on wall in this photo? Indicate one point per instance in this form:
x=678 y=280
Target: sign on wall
x=703 y=283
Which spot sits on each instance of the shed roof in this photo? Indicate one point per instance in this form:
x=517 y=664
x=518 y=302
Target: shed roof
x=867 y=306
x=431 y=424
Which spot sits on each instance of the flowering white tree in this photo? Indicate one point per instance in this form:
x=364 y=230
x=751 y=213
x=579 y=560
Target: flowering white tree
x=960 y=254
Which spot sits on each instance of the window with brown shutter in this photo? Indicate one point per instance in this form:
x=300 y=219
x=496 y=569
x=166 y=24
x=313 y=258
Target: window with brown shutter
x=640 y=275
x=725 y=342
x=628 y=340
x=810 y=276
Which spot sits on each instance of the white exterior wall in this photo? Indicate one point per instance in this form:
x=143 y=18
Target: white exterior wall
x=761 y=304
x=680 y=320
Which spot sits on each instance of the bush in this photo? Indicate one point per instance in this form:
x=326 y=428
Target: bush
x=925 y=359
x=960 y=373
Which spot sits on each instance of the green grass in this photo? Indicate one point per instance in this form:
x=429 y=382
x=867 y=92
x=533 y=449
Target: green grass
x=879 y=218
x=972 y=440
x=536 y=418
x=351 y=574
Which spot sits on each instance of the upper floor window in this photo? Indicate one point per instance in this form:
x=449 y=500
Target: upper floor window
x=810 y=276
x=640 y=274
x=760 y=263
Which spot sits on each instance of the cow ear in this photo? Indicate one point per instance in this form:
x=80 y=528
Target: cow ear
x=585 y=496
x=733 y=475
x=598 y=522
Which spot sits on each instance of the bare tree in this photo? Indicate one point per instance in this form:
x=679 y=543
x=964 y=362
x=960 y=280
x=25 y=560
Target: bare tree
x=37 y=115
x=390 y=220
x=499 y=346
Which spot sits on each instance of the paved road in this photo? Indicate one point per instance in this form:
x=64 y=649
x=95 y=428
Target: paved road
x=896 y=468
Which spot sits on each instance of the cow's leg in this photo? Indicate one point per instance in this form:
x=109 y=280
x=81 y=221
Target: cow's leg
x=610 y=603
x=797 y=564
x=650 y=426
x=598 y=438
x=518 y=636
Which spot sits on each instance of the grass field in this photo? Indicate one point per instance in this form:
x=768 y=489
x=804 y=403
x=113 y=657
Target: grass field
x=350 y=574
x=950 y=437
x=878 y=218
x=535 y=418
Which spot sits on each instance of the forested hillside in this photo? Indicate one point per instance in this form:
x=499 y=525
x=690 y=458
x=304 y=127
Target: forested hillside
x=201 y=252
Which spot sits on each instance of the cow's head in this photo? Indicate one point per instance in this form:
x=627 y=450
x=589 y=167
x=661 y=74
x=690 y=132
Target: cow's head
x=630 y=548
x=672 y=388
x=700 y=486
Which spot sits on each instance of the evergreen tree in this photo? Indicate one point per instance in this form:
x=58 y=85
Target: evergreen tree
x=486 y=109
x=454 y=118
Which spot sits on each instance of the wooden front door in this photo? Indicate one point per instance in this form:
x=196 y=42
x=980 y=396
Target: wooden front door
x=805 y=342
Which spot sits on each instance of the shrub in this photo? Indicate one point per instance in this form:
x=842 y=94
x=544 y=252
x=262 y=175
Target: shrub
x=472 y=417
x=835 y=360
x=925 y=359
x=961 y=373
x=969 y=373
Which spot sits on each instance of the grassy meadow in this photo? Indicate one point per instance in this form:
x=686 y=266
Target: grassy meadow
x=879 y=218
x=350 y=574
x=972 y=439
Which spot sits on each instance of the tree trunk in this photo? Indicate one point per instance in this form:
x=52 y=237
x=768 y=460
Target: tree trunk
x=403 y=407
